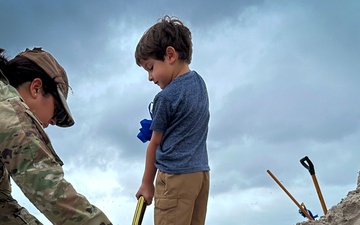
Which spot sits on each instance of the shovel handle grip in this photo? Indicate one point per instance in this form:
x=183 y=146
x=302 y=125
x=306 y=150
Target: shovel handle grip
x=309 y=166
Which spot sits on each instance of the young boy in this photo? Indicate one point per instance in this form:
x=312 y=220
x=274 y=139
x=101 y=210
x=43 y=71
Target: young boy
x=177 y=150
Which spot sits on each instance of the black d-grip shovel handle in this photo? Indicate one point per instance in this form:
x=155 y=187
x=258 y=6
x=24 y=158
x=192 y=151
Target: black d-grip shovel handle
x=308 y=166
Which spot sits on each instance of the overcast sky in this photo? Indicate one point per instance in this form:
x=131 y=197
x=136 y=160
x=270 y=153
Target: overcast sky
x=283 y=79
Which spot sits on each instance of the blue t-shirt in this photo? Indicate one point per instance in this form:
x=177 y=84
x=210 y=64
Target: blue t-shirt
x=181 y=113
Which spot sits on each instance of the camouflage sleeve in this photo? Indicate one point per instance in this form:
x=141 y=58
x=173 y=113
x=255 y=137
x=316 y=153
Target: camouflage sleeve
x=37 y=170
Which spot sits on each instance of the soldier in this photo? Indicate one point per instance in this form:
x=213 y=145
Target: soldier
x=33 y=93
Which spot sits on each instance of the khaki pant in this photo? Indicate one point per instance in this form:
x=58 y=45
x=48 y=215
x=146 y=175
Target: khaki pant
x=181 y=199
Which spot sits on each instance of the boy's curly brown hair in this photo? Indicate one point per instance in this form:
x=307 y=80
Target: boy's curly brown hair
x=168 y=31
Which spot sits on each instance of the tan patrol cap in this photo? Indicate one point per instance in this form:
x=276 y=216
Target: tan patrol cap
x=49 y=64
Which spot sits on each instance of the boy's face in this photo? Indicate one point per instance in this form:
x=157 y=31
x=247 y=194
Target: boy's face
x=160 y=72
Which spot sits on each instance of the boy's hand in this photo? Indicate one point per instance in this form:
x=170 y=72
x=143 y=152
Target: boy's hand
x=146 y=190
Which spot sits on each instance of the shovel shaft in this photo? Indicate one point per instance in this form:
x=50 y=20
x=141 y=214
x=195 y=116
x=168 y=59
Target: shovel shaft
x=306 y=162
x=319 y=194
x=292 y=198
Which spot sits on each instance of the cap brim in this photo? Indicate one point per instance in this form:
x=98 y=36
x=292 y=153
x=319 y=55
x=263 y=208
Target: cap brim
x=64 y=118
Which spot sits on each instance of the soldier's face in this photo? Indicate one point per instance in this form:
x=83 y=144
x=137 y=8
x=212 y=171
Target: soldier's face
x=42 y=105
x=45 y=109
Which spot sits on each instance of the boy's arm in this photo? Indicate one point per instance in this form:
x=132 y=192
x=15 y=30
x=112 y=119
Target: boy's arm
x=147 y=186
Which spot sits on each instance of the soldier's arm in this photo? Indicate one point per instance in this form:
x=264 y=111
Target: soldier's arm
x=37 y=170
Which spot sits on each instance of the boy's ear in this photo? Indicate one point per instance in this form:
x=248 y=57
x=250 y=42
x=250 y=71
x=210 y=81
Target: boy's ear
x=171 y=54
x=35 y=87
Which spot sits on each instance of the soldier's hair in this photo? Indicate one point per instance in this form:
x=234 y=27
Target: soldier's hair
x=20 y=70
x=168 y=31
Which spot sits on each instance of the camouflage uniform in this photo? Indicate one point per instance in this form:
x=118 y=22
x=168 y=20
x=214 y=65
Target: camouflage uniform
x=27 y=155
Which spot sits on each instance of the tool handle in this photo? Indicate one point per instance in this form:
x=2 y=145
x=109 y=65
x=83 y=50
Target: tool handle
x=309 y=166
x=139 y=211
x=288 y=193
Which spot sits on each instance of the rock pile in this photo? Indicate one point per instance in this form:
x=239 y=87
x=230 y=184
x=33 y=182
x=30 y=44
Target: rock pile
x=347 y=212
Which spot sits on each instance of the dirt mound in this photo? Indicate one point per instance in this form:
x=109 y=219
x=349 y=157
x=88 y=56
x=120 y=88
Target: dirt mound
x=347 y=212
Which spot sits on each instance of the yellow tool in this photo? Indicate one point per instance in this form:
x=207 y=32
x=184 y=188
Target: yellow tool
x=139 y=211
x=292 y=198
